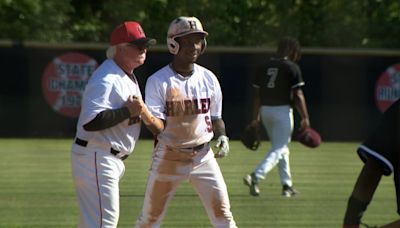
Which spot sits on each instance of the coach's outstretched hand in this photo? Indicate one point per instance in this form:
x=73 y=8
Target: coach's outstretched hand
x=223 y=146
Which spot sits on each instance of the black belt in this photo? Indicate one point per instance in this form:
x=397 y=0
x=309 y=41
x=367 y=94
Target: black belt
x=84 y=143
x=199 y=147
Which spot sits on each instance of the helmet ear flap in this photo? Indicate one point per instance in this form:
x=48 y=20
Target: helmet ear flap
x=173 y=45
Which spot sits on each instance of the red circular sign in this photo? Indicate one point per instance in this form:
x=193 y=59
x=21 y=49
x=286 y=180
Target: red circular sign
x=387 y=89
x=64 y=81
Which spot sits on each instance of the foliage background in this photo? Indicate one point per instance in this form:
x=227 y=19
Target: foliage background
x=317 y=23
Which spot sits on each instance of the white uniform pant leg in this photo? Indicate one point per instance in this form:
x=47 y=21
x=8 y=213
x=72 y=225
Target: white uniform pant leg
x=278 y=122
x=96 y=176
x=284 y=170
x=164 y=178
x=209 y=184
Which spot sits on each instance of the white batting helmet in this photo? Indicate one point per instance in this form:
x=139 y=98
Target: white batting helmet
x=183 y=26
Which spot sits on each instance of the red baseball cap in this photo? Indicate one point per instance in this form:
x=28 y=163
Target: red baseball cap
x=130 y=32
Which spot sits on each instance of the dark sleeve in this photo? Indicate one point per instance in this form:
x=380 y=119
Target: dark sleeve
x=297 y=78
x=107 y=119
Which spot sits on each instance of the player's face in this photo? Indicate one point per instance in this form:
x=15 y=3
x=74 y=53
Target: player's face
x=190 y=46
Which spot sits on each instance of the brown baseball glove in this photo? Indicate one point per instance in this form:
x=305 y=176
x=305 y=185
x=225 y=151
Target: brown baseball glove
x=251 y=135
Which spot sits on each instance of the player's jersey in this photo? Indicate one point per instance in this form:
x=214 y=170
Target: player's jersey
x=109 y=88
x=277 y=80
x=383 y=145
x=188 y=104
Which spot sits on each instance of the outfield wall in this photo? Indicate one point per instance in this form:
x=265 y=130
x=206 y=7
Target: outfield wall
x=41 y=85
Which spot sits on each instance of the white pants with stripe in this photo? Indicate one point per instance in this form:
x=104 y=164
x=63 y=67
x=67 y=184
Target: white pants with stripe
x=168 y=169
x=96 y=174
x=278 y=122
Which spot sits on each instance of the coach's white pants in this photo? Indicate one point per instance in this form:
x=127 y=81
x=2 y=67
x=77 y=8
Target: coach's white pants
x=169 y=168
x=96 y=175
x=278 y=122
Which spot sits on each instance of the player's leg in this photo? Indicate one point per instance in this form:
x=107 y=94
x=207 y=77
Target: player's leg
x=164 y=178
x=267 y=164
x=269 y=161
x=272 y=157
x=285 y=175
x=363 y=191
x=284 y=163
x=279 y=124
x=96 y=177
x=284 y=170
x=159 y=193
x=209 y=184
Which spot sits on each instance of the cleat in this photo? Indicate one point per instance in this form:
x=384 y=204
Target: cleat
x=252 y=182
x=288 y=191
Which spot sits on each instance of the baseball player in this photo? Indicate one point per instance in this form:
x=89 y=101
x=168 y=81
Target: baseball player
x=277 y=88
x=187 y=98
x=108 y=127
x=380 y=153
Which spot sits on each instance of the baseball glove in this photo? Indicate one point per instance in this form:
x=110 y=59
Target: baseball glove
x=309 y=137
x=251 y=136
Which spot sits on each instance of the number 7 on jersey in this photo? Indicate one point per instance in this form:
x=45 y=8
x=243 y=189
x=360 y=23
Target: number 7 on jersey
x=272 y=74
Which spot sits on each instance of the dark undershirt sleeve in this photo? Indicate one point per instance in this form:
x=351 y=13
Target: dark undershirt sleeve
x=107 y=119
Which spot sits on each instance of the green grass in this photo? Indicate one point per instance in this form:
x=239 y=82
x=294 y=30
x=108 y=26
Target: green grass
x=36 y=188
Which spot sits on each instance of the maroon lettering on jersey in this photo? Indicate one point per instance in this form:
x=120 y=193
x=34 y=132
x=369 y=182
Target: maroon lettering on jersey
x=188 y=107
x=205 y=105
x=169 y=108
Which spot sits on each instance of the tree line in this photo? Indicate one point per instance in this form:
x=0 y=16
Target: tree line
x=316 y=23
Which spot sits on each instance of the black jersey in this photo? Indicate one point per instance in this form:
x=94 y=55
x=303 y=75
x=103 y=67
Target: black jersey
x=276 y=81
x=383 y=145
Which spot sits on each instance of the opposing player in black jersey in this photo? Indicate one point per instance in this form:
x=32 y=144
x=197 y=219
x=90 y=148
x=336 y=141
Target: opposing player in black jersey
x=277 y=88
x=381 y=156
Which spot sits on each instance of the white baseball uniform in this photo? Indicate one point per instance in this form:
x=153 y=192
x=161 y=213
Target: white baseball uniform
x=188 y=105
x=97 y=165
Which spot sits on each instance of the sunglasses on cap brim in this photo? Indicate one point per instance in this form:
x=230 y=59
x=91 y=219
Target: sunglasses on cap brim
x=144 y=42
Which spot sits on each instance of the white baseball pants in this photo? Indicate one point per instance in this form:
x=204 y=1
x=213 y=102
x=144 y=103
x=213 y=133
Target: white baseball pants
x=169 y=168
x=278 y=122
x=96 y=174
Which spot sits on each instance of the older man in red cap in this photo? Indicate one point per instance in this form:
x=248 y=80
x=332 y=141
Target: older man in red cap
x=109 y=126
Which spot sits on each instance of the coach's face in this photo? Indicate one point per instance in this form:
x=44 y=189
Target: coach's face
x=190 y=47
x=131 y=56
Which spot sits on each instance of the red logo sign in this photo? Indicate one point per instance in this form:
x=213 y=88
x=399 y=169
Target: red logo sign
x=64 y=81
x=387 y=88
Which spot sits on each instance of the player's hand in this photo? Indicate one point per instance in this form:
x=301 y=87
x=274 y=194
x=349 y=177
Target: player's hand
x=223 y=146
x=135 y=105
x=304 y=123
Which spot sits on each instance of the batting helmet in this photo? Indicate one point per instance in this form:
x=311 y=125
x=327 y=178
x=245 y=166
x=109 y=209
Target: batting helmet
x=183 y=26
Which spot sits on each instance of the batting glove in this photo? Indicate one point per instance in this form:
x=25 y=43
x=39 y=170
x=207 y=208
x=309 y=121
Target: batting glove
x=223 y=146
